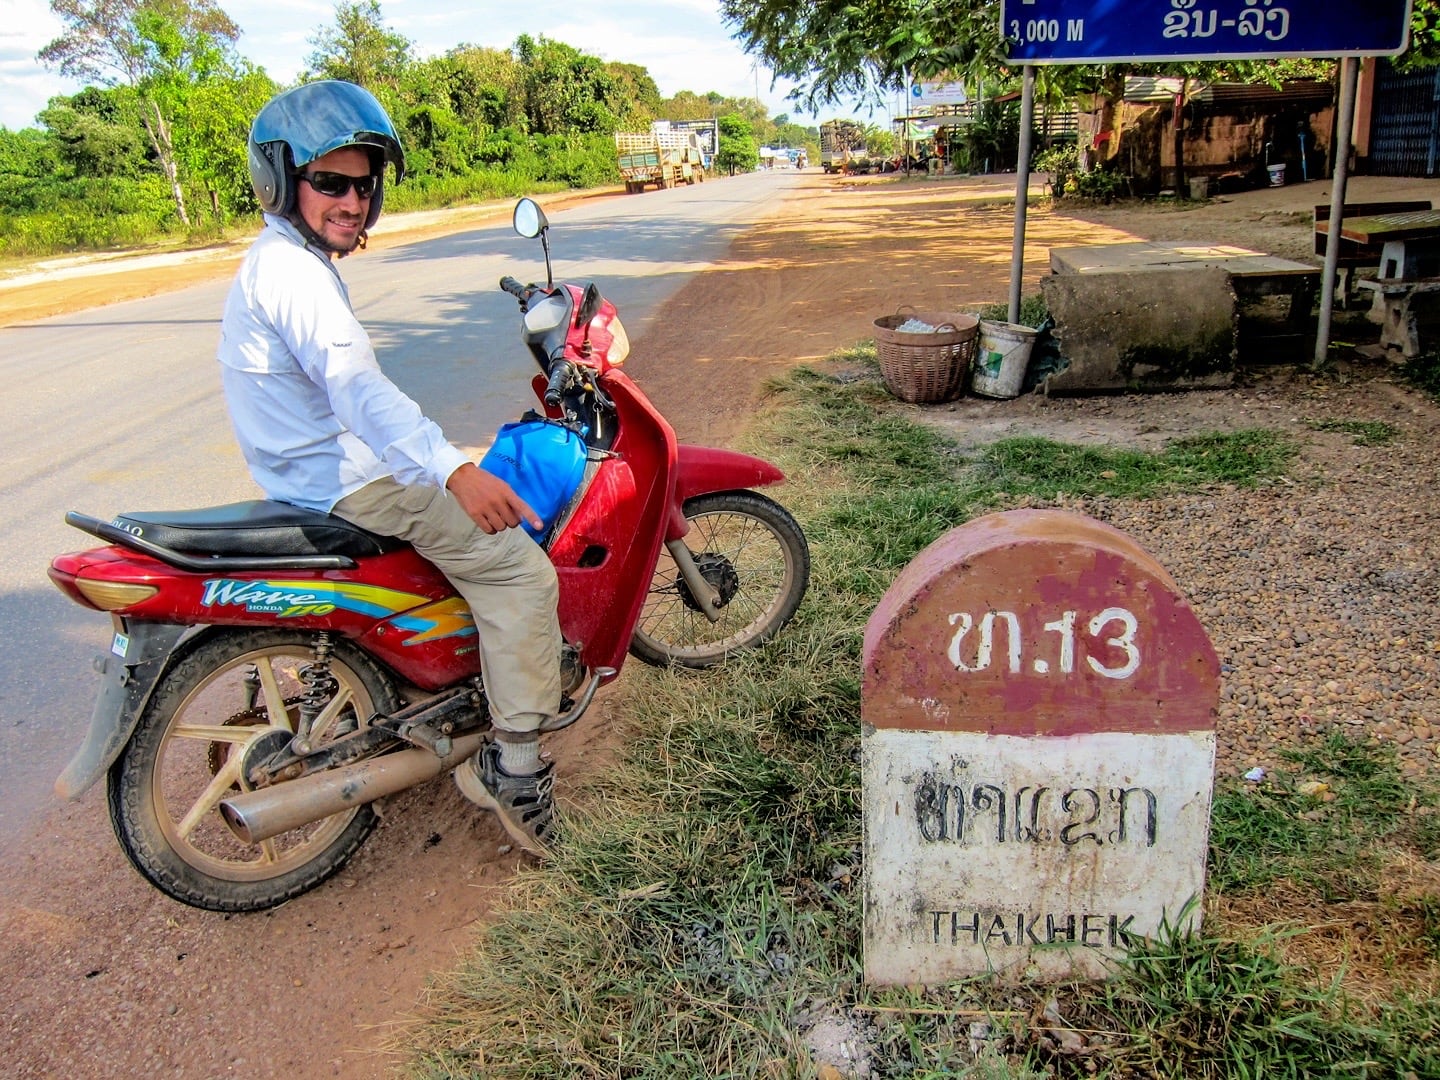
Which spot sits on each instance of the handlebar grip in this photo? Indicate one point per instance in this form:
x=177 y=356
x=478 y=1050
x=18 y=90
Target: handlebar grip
x=559 y=376
x=513 y=287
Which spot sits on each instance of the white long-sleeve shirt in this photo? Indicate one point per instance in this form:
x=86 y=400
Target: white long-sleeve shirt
x=315 y=416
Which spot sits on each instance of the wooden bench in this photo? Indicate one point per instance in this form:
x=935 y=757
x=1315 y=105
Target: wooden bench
x=1394 y=309
x=1353 y=254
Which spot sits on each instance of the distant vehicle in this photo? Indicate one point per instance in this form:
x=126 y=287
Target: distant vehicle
x=842 y=147
x=659 y=156
x=707 y=131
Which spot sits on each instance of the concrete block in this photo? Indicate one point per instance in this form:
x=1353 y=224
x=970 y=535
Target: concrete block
x=1144 y=330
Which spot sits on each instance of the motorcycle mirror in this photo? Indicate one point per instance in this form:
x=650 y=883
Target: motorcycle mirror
x=529 y=219
x=589 y=305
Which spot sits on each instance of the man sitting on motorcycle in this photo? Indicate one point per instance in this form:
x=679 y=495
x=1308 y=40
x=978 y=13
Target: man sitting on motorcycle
x=322 y=427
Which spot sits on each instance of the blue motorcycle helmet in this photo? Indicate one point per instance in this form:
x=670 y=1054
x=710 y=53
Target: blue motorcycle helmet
x=300 y=125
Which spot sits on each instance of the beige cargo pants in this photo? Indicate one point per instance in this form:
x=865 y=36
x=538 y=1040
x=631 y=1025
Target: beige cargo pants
x=506 y=579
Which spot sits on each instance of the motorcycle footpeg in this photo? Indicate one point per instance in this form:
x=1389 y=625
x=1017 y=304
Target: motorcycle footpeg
x=423 y=735
x=565 y=719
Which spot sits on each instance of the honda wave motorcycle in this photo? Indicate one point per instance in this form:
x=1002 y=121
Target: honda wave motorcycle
x=274 y=671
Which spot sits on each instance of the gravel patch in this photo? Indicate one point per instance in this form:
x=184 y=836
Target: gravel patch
x=1320 y=592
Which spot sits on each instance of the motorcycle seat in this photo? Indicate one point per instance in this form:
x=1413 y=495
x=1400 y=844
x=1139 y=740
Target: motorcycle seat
x=259 y=527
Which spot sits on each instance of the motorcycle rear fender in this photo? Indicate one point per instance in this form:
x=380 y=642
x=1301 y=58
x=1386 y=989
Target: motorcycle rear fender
x=129 y=678
x=701 y=470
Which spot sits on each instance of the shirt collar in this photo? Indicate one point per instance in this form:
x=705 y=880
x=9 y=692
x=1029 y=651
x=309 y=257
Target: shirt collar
x=287 y=228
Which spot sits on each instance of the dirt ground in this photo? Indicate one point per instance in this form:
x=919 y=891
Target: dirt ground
x=104 y=977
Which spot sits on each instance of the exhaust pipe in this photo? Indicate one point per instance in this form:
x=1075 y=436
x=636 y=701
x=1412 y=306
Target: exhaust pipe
x=258 y=815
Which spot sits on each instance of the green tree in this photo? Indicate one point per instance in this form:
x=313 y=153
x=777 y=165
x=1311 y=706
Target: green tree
x=483 y=88
x=27 y=153
x=96 y=133
x=640 y=96
x=360 y=48
x=567 y=91
x=156 y=47
x=879 y=142
x=1424 y=35
x=212 y=128
x=738 y=150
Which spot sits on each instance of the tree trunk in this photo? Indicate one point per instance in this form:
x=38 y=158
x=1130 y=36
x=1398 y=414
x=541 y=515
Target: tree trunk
x=159 y=133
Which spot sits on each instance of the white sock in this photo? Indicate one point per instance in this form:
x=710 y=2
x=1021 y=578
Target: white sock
x=520 y=758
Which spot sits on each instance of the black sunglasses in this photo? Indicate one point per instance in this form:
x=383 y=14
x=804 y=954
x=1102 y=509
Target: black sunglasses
x=337 y=185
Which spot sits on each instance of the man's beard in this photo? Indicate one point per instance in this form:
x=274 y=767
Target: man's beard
x=317 y=240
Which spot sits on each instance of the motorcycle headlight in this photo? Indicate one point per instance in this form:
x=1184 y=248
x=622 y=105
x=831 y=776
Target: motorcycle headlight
x=620 y=346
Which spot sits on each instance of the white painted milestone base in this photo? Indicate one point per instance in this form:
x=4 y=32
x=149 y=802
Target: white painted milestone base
x=1027 y=856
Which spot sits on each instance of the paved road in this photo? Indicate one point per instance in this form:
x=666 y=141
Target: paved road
x=118 y=408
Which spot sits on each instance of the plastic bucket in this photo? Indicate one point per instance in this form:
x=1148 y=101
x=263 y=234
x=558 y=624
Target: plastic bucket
x=1199 y=188
x=1002 y=360
x=1277 y=175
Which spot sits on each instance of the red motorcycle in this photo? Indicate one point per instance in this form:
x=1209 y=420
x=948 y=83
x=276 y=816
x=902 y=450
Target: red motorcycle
x=275 y=670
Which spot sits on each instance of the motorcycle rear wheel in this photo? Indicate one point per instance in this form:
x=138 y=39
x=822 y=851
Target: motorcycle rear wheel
x=185 y=756
x=754 y=552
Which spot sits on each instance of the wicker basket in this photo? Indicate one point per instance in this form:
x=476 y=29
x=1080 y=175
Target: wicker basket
x=926 y=368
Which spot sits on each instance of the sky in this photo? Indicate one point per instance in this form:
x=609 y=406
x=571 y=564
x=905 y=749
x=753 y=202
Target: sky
x=683 y=43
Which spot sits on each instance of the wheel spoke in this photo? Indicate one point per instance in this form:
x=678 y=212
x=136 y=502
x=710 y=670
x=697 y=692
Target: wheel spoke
x=275 y=706
x=216 y=790
x=331 y=713
x=211 y=733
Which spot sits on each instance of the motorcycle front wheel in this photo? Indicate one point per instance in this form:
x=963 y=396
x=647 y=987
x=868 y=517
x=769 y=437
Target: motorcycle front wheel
x=231 y=701
x=753 y=552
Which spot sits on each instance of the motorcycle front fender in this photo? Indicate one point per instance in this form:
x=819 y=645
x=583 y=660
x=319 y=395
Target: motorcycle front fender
x=129 y=672
x=700 y=470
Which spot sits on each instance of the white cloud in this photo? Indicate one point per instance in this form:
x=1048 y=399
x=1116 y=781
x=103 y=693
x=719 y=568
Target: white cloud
x=25 y=86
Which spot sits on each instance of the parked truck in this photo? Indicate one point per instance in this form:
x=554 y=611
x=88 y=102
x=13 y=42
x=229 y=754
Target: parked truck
x=708 y=132
x=660 y=156
x=842 y=147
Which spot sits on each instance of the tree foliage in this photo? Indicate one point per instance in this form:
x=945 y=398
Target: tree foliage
x=833 y=49
x=358 y=47
x=163 y=50
x=738 y=151
x=168 y=105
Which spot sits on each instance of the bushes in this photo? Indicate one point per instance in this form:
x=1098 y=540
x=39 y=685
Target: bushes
x=1101 y=183
x=39 y=217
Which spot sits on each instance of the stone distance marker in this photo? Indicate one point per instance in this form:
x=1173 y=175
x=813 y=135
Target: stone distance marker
x=1038 y=749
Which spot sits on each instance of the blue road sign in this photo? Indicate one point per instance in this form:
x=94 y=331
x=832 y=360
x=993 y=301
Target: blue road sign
x=1103 y=31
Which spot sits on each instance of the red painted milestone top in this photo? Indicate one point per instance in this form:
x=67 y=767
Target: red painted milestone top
x=1037 y=622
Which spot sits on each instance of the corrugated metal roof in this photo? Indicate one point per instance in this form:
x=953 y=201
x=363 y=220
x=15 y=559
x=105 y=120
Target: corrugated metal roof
x=1221 y=95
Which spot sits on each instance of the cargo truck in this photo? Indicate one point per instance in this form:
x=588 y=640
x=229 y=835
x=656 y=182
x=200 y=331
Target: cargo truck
x=661 y=157
x=842 y=147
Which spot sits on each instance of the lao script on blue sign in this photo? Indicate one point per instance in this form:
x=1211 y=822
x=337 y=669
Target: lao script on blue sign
x=1095 y=31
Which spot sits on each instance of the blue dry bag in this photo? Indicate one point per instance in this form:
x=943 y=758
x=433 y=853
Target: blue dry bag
x=544 y=462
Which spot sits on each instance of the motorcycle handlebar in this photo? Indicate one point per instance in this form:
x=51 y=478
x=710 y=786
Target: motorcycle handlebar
x=513 y=287
x=559 y=378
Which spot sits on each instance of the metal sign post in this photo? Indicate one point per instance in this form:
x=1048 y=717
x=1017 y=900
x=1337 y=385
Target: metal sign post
x=1349 y=78
x=1022 y=192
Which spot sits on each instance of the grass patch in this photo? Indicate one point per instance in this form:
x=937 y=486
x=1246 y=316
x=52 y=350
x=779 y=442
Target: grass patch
x=703 y=916
x=1033 y=311
x=1423 y=373
x=1366 y=432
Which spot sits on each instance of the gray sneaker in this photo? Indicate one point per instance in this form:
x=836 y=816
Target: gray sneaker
x=525 y=805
